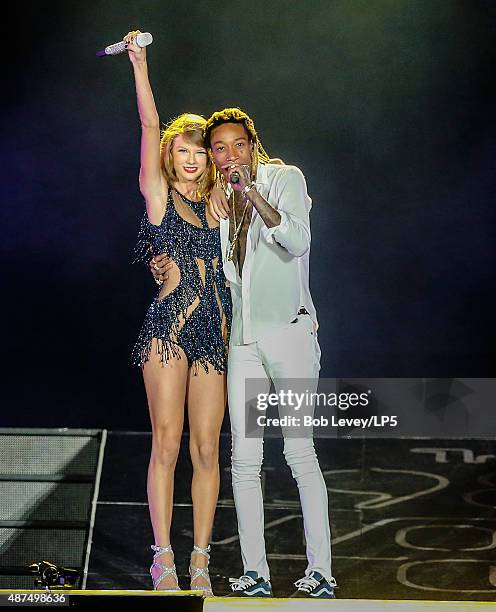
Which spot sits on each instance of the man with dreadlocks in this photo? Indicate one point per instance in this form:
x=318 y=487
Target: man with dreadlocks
x=265 y=241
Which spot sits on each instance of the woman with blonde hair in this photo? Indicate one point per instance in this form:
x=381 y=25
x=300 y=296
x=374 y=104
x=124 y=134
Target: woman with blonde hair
x=182 y=346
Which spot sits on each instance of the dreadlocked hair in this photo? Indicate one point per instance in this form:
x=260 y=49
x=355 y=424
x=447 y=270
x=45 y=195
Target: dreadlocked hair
x=191 y=127
x=236 y=115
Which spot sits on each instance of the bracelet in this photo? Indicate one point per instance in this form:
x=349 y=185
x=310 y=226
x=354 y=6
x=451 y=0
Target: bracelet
x=248 y=188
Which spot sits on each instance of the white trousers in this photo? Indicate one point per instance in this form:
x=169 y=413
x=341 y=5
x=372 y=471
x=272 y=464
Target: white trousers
x=289 y=352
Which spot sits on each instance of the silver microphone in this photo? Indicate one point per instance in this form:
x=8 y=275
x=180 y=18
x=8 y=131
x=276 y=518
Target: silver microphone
x=142 y=40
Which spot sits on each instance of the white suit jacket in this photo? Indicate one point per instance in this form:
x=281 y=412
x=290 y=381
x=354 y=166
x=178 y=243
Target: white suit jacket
x=275 y=282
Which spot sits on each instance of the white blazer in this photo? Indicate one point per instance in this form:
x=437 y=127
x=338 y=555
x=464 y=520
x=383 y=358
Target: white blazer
x=275 y=283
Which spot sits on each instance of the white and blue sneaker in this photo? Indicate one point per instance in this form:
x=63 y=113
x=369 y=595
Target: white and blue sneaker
x=250 y=585
x=315 y=585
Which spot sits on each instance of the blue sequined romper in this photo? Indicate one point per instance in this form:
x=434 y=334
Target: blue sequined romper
x=195 y=315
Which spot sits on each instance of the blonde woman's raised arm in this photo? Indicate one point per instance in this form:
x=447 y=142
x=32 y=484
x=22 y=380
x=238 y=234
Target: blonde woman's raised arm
x=151 y=180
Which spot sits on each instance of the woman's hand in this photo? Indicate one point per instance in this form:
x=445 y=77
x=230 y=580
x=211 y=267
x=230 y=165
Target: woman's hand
x=160 y=266
x=217 y=204
x=137 y=55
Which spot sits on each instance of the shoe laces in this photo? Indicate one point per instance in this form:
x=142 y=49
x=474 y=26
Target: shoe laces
x=241 y=583
x=307 y=584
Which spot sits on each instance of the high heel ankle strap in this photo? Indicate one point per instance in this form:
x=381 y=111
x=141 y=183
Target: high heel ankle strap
x=166 y=570
x=202 y=551
x=200 y=572
x=159 y=550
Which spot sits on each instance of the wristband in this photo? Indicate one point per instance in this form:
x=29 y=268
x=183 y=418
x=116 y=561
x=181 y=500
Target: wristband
x=248 y=188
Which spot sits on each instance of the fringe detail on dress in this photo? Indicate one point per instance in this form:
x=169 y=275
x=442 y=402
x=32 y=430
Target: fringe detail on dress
x=171 y=320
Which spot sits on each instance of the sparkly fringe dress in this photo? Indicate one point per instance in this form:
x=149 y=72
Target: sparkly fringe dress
x=195 y=315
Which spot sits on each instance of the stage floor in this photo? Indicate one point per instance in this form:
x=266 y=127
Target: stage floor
x=410 y=518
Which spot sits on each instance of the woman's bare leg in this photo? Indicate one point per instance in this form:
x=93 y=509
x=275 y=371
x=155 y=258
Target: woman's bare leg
x=166 y=390
x=207 y=395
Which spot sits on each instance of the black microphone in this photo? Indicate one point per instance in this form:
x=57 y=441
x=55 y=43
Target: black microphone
x=142 y=40
x=234 y=178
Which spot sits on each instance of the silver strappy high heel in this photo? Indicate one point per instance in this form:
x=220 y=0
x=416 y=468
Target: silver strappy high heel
x=195 y=572
x=167 y=570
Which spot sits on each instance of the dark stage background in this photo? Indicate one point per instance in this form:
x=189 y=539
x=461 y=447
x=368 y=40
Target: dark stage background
x=386 y=106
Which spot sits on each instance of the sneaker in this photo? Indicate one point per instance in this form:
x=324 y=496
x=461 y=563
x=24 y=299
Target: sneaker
x=315 y=585
x=250 y=585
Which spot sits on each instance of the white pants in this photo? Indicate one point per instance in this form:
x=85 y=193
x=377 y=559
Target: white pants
x=289 y=352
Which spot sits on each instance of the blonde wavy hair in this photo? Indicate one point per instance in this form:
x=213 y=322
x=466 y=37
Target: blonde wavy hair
x=236 y=115
x=192 y=128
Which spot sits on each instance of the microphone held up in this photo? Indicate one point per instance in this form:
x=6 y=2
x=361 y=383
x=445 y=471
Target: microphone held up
x=142 y=40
